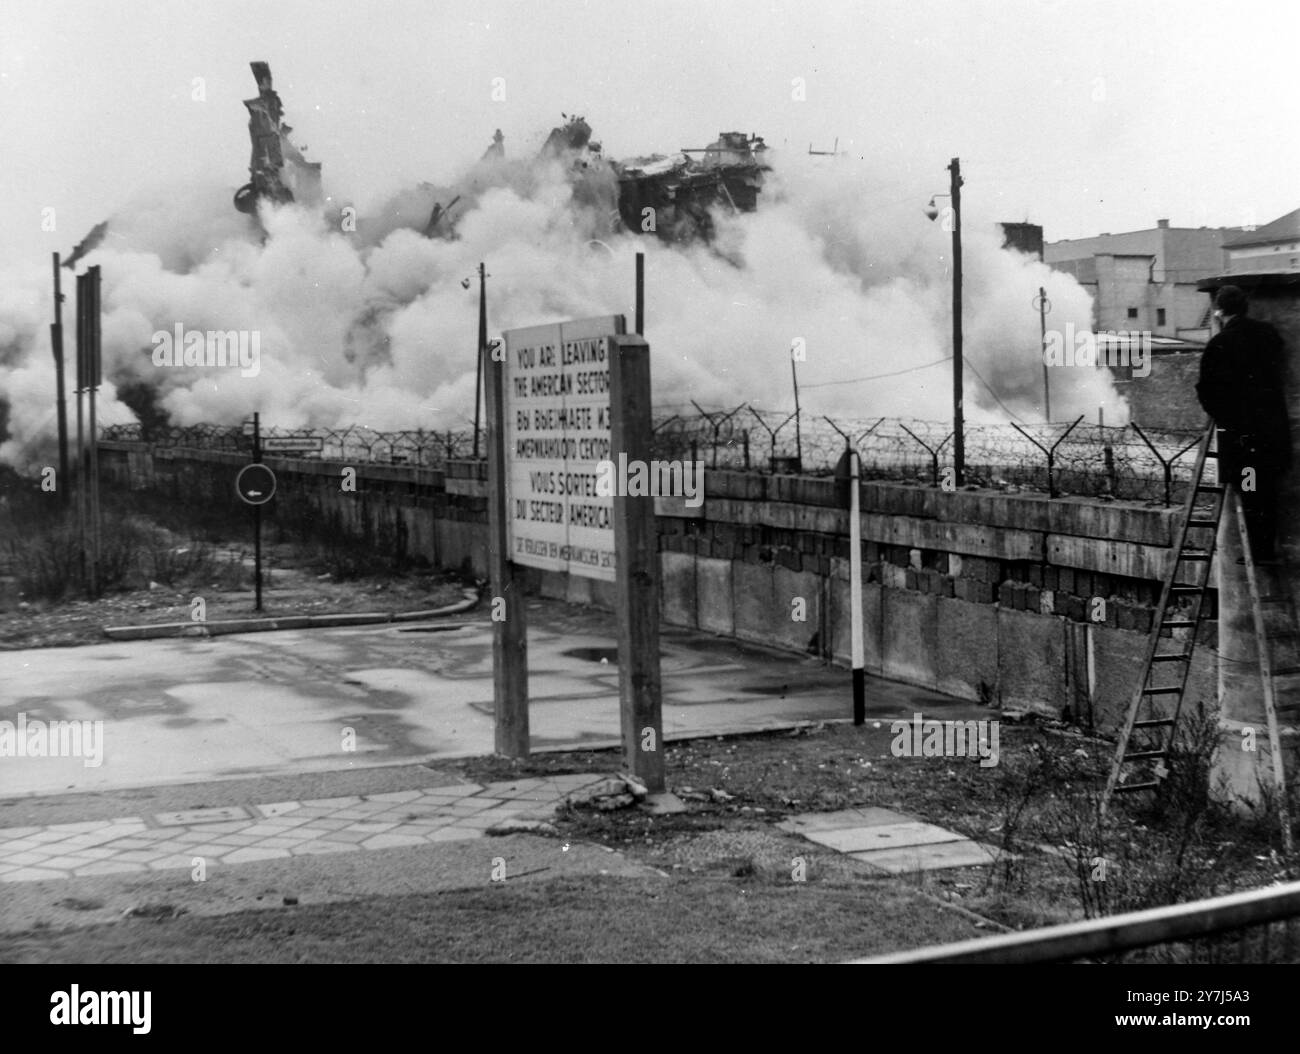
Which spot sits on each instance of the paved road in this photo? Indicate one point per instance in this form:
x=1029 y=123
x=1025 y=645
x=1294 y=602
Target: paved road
x=293 y=702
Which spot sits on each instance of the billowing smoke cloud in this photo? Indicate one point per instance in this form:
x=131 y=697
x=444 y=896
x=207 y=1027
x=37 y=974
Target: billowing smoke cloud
x=374 y=326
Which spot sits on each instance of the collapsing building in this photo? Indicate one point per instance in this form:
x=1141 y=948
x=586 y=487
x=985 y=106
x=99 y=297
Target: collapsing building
x=277 y=170
x=671 y=196
x=679 y=192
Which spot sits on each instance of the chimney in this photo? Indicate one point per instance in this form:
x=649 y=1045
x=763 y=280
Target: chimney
x=1162 y=224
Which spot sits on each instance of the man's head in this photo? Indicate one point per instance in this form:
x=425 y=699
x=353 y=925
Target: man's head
x=1230 y=301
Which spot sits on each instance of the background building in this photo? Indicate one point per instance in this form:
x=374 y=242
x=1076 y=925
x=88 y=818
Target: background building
x=1271 y=249
x=1146 y=280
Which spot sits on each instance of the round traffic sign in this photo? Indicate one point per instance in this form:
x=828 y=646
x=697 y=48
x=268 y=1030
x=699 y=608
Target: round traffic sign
x=255 y=484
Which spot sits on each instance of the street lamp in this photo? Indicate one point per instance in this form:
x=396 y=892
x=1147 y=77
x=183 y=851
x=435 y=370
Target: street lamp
x=482 y=345
x=1044 y=307
x=640 y=282
x=931 y=212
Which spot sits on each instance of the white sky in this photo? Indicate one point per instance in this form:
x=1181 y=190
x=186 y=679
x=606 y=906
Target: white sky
x=1082 y=116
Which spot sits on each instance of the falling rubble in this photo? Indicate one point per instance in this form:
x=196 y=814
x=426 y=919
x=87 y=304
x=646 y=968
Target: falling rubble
x=277 y=171
x=672 y=196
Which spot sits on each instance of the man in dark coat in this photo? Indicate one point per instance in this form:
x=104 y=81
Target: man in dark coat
x=1241 y=387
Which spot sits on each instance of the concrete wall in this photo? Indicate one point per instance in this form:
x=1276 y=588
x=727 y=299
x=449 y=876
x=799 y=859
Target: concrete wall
x=1166 y=397
x=432 y=514
x=1011 y=599
x=986 y=596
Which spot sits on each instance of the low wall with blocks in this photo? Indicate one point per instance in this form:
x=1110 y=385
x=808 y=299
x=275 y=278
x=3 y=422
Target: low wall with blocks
x=1020 y=601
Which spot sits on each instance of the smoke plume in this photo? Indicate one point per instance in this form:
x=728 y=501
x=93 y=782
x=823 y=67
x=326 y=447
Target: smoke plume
x=370 y=323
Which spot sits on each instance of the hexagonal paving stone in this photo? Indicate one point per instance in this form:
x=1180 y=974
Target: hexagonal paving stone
x=252 y=852
x=110 y=867
x=187 y=817
x=32 y=874
x=9 y=834
x=29 y=857
x=171 y=862
x=347 y=836
x=392 y=841
x=314 y=848
x=459 y=790
x=454 y=834
x=278 y=808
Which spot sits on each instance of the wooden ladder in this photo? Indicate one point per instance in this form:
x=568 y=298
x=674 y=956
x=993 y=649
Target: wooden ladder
x=1281 y=634
x=1147 y=737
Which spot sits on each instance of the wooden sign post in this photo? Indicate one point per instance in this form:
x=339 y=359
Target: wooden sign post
x=636 y=543
x=568 y=411
x=509 y=619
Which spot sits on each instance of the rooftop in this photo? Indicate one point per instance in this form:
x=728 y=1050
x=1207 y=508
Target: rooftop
x=1161 y=225
x=1253 y=280
x=1283 y=229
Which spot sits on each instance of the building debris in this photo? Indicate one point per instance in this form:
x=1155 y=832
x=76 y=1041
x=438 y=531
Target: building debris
x=497 y=150
x=672 y=197
x=90 y=242
x=277 y=169
x=616 y=792
x=439 y=217
x=682 y=190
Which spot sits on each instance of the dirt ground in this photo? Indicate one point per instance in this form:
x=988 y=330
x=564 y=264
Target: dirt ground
x=711 y=884
x=288 y=588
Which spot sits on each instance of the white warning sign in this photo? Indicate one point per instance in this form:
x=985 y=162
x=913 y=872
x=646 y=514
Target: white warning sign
x=557 y=418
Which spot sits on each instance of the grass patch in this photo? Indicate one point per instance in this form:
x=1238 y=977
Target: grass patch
x=1037 y=807
x=152 y=574
x=589 y=919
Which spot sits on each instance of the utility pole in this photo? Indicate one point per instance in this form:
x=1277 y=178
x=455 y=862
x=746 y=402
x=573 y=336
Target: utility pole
x=482 y=350
x=61 y=401
x=92 y=435
x=78 y=390
x=257 y=517
x=798 y=434
x=89 y=373
x=855 y=589
x=958 y=423
x=640 y=294
x=1043 y=308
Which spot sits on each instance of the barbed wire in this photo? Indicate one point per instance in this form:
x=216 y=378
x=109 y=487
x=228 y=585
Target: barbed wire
x=1114 y=462
x=420 y=447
